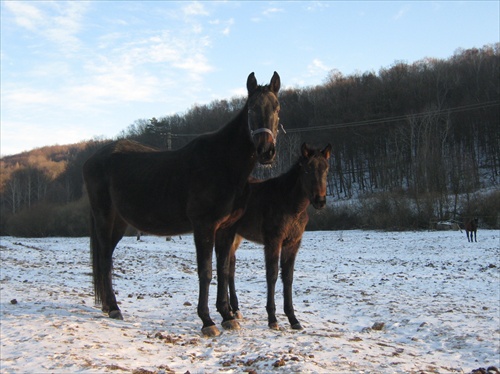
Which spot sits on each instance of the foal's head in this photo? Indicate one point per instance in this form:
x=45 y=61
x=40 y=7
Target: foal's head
x=314 y=170
x=263 y=116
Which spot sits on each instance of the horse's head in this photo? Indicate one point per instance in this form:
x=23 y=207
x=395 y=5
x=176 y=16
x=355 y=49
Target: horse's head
x=263 y=116
x=314 y=170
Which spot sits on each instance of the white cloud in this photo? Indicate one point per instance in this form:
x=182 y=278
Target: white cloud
x=26 y=96
x=25 y=15
x=111 y=70
x=267 y=13
x=317 y=67
x=195 y=65
x=317 y=5
x=58 y=22
x=401 y=13
x=195 y=9
x=227 y=30
x=270 y=11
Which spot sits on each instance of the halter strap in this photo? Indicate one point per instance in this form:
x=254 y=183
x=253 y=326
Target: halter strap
x=263 y=129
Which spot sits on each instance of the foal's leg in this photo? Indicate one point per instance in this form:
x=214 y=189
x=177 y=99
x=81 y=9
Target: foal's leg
x=272 y=254
x=233 y=298
x=288 y=256
x=223 y=249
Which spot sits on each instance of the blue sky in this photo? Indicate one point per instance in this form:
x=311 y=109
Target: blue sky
x=74 y=70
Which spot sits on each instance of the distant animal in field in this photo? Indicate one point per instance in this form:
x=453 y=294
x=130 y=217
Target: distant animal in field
x=470 y=229
x=276 y=216
x=199 y=188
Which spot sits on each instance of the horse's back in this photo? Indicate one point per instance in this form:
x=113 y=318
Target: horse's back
x=471 y=225
x=144 y=186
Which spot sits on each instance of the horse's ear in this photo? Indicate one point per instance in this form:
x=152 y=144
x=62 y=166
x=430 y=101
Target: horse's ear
x=275 y=83
x=251 y=83
x=327 y=151
x=304 y=149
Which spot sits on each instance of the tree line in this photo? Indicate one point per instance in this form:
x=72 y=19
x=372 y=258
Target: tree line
x=414 y=140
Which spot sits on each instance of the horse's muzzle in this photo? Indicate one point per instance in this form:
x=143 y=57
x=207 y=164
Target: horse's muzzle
x=266 y=152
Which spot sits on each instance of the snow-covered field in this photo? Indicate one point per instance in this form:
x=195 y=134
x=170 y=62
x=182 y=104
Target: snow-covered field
x=437 y=296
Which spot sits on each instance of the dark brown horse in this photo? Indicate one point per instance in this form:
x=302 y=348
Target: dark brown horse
x=471 y=227
x=276 y=216
x=199 y=188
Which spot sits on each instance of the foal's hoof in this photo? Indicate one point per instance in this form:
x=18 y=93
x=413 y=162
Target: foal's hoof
x=238 y=315
x=231 y=324
x=210 y=331
x=116 y=314
x=274 y=326
x=297 y=326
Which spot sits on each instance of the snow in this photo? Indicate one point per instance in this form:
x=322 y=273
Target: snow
x=437 y=296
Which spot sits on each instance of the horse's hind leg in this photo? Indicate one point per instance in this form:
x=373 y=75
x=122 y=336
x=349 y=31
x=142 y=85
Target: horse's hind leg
x=288 y=256
x=109 y=229
x=224 y=250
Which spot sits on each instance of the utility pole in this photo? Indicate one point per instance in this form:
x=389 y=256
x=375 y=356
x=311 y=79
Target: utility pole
x=169 y=141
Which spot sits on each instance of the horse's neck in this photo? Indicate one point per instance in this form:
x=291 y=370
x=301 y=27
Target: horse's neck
x=236 y=147
x=238 y=141
x=238 y=126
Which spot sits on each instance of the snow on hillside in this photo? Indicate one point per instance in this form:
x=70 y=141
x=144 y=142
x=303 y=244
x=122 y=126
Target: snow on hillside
x=436 y=297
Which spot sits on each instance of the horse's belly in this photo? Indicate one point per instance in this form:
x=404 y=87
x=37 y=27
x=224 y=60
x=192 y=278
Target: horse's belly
x=158 y=216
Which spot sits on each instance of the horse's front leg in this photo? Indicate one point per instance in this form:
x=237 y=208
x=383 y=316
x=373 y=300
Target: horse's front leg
x=223 y=249
x=272 y=254
x=288 y=256
x=204 y=241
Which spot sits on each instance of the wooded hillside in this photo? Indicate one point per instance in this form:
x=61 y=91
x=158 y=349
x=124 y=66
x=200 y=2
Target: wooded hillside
x=420 y=139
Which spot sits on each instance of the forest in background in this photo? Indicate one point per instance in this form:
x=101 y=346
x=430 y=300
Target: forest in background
x=412 y=145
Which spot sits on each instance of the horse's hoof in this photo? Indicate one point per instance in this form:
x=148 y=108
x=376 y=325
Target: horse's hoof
x=210 y=331
x=274 y=326
x=297 y=326
x=116 y=314
x=231 y=324
x=238 y=315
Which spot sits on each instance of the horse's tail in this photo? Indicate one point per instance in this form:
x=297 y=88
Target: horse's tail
x=96 y=259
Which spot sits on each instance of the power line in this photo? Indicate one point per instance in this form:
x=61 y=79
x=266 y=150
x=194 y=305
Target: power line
x=397 y=118
x=385 y=120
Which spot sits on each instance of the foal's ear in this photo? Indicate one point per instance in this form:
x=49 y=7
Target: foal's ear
x=275 y=83
x=327 y=151
x=251 y=83
x=304 y=149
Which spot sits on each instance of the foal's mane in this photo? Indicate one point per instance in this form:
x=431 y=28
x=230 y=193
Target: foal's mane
x=294 y=169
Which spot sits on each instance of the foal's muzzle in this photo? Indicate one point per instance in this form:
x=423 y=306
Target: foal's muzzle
x=319 y=202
